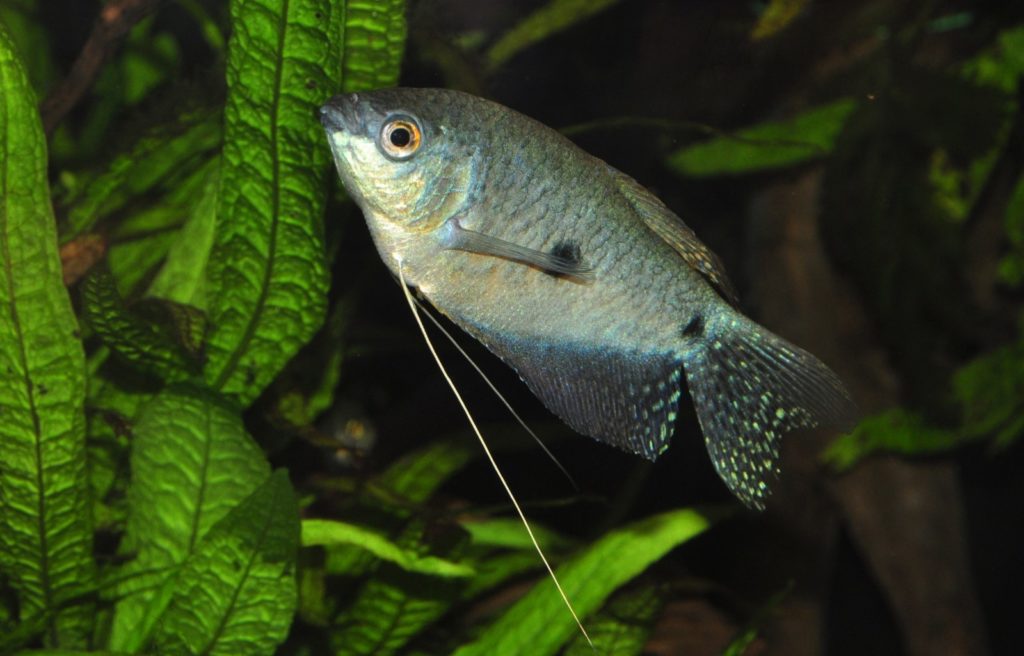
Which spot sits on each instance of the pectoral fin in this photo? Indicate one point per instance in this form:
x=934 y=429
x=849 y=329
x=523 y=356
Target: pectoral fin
x=456 y=237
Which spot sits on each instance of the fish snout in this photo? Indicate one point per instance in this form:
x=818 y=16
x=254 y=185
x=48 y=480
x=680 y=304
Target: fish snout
x=341 y=113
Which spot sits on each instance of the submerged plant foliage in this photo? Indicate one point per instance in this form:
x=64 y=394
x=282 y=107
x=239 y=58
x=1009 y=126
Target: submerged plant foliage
x=214 y=273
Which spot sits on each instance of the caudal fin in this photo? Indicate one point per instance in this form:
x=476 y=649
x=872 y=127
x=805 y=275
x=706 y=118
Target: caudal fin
x=750 y=388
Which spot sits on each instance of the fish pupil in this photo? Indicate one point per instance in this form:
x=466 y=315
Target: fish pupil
x=695 y=328
x=400 y=137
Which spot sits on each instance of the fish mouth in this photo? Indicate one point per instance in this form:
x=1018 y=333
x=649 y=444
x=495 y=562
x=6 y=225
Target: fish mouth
x=339 y=114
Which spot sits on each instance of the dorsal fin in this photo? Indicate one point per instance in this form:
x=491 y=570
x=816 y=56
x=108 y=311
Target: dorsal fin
x=664 y=223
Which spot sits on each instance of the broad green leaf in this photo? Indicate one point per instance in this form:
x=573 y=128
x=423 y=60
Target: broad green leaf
x=550 y=19
x=390 y=610
x=767 y=146
x=267 y=281
x=192 y=462
x=150 y=346
x=156 y=164
x=541 y=620
x=327 y=533
x=896 y=431
x=237 y=593
x=623 y=625
x=374 y=34
x=45 y=511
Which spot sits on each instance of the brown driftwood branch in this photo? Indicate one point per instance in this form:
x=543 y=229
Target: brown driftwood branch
x=115 y=20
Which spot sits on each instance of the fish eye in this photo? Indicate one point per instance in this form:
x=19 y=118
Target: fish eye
x=400 y=137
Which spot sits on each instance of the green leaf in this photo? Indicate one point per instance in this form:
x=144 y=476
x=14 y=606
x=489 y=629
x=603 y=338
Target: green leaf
x=540 y=619
x=991 y=394
x=395 y=605
x=140 y=242
x=395 y=493
x=390 y=609
x=510 y=534
x=68 y=652
x=896 y=431
x=148 y=60
x=623 y=625
x=327 y=533
x=776 y=17
x=1011 y=267
x=417 y=476
x=374 y=34
x=552 y=18
x=154 y=165
x=45 y=511
x=237 y=593
x=31 y=39
x=748 y=634
x=182 y=277
x=494 y=567
x=777 y=144
x=192 y=461
x=150 y=346
x=267 y=273
x=1001 y=64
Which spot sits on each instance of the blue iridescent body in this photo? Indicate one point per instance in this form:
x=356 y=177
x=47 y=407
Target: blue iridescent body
x=576 y=276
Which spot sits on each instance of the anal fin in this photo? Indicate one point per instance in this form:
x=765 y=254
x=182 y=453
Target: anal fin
x=627 y=399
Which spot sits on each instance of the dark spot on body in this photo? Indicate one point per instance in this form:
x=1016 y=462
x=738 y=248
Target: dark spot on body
x=695 y=328
x=568 y=251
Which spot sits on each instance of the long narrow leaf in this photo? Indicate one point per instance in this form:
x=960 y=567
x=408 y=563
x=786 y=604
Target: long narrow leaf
x=268 y=275
x=540 y=620
x=327 y=533
x=766 y=146
x=374 y=34
x=550 y=19
x=45 y=515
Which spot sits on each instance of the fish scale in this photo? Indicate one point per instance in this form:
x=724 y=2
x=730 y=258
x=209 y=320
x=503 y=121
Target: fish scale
x=603 y=339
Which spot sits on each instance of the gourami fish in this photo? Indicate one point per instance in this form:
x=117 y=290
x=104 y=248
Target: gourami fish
x=577 y=277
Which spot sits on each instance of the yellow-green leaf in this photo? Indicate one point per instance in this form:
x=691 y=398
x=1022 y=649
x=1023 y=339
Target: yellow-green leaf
x=776 y=144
